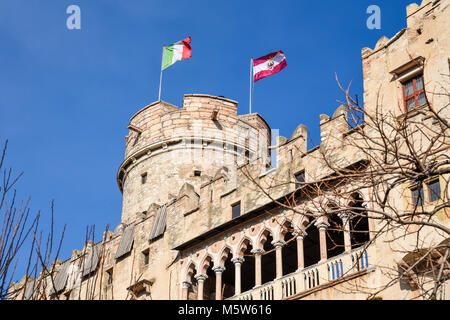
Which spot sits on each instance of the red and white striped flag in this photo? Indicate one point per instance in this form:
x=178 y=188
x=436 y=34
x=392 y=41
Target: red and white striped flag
x=268 y=65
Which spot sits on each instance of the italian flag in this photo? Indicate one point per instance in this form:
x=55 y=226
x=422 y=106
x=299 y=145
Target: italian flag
x=178 y=51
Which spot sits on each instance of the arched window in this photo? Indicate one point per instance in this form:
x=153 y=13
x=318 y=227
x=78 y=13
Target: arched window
x=193 y=289
x=228 y=278
x=209 y=286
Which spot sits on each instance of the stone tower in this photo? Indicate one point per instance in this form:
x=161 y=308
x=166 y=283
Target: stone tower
x=168 y=146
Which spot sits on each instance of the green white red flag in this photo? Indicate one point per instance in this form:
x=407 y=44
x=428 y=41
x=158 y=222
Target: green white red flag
x=175 y=52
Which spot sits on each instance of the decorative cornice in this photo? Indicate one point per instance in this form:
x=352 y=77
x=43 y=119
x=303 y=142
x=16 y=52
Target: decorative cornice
x=164 y=146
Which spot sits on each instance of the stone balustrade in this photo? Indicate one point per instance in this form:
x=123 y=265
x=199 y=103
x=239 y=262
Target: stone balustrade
x=324 y=272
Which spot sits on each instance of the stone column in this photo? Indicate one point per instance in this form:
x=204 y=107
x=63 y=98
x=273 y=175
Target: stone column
x=300 y=255
x=322 y=226
x=201 y=281
x=219 y=270
x=346 y=223
x=279 y=257
x=237 y=272
x=185 y=285
x=258 y=274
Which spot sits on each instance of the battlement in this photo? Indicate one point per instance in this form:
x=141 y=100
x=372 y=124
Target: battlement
x=166 y=143
x=204 y=115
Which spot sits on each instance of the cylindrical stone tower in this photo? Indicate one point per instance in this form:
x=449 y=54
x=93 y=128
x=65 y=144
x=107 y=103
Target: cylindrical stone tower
x=168 y=146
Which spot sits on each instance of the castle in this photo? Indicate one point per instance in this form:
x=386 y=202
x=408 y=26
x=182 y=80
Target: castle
x=207 y=213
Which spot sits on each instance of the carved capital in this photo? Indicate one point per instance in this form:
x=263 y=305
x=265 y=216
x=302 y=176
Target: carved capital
x=321 y=225
x=186 y=285
x=257 y=251
x=218 y=269
x=300 y=234
x=278 y=243
x=201 y=277
x=344 y=216
x=238 y=260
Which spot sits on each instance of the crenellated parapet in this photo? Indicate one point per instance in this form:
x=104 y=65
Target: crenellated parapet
x=168 y=146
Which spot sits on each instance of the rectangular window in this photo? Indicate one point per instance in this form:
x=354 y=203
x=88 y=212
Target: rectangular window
x=146 y=256
x=418 y=196
x=144 y=178
x=136 y=139
x=299 y=178
x=414 y=93
x=109 y=276
x=236 y=210
x=434 y=190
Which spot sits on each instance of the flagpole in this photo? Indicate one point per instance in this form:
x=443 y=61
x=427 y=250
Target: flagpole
x=160 y=76
x=251 y=82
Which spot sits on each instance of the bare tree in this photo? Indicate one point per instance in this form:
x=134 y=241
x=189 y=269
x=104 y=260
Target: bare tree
x=387 y=168
x=18 y=226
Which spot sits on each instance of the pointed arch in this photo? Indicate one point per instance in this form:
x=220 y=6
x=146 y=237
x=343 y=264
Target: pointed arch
x=242 y=246
x=262 y=237
x=205 y=263
x=359 y=221
x=189 y=271
x=287 y=226
x=224 y=253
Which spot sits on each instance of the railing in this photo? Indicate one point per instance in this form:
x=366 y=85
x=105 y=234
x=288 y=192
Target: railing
x=289 y=287
x=310 y=277
x=266 y=293
x=246 y=296
x=335 y=269
x=360 y=260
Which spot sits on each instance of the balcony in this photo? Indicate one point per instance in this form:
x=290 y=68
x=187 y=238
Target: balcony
x=296 y=285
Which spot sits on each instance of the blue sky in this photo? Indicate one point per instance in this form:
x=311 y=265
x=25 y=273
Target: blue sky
x=66 y=96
